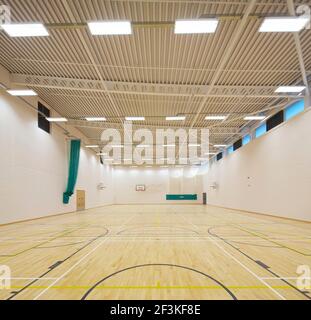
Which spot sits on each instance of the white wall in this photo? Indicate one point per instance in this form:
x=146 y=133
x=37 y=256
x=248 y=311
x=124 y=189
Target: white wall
x=270 y=175
x=158 y=182
x=34 y=166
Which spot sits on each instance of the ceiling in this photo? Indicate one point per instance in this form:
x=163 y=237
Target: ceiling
x=153 y=72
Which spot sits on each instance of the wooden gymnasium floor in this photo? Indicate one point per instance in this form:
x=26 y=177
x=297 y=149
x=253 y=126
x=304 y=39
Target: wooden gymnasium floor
x=156 y=252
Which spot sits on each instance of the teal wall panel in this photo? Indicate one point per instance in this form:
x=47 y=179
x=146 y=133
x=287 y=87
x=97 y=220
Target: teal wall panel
x=181 y=197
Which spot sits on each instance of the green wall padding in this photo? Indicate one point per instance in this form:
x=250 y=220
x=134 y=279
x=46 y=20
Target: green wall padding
x=73 y=169
x=181 y=197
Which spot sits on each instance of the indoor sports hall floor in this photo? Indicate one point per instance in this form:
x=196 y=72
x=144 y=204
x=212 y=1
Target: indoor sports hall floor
x=156 y=252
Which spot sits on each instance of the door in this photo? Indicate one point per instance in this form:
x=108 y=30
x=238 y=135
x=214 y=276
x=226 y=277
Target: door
x=80 y=200
x=204 y=198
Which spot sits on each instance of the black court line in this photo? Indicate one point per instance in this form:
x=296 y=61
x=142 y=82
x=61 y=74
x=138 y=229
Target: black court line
x=265 y=237
x=248 y=243
x=158 y=265
x=60 y=235
x=57 y=264
x=259 y=263
x=62 y=245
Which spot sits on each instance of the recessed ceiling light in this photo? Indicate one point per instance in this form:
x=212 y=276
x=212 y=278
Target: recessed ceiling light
x=22 y=93
x=194 y=145
x=92 y=146
x=135 y=118
x=196 y=26
x=169 y=145
x=101 y=28
x=290 y=89
x=220 y=145
x=283 y=24
x=210 y=153
x=178 y=118
x=216 y=117
x=255 y=118
x=96 y=119
x=144 y=146
x=117 y=146
x=25 y=29
x=57 y=119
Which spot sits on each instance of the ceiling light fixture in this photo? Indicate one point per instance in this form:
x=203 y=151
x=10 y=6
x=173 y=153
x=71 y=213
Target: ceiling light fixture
x=60 y=119
x=22 y=93
x=290 y=89
x=177 y=118
x=254 y=118
x=95 y=119
x=25 y=30
x=196 y=26
x=135 y=118
x=92 y=146
x=143 y=146
x=101 y=28
x=216 y=117
x=220 y=145
x=117 y=146
x=169 y=145
x=283 y=24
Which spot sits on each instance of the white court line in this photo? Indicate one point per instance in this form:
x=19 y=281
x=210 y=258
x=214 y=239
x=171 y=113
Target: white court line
x=79 y=261
x=242 y=265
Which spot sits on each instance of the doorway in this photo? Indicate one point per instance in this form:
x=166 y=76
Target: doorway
x=80 y=200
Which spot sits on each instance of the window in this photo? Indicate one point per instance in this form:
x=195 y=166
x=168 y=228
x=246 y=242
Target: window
x=246 y=140
x=230 y=150
x=261 y=130
x=237 y=145
x=294 y=109
x=43 y=112
x=275 y=120
x=219 y=156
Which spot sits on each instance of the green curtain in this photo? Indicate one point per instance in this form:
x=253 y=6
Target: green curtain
x=73 y=169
